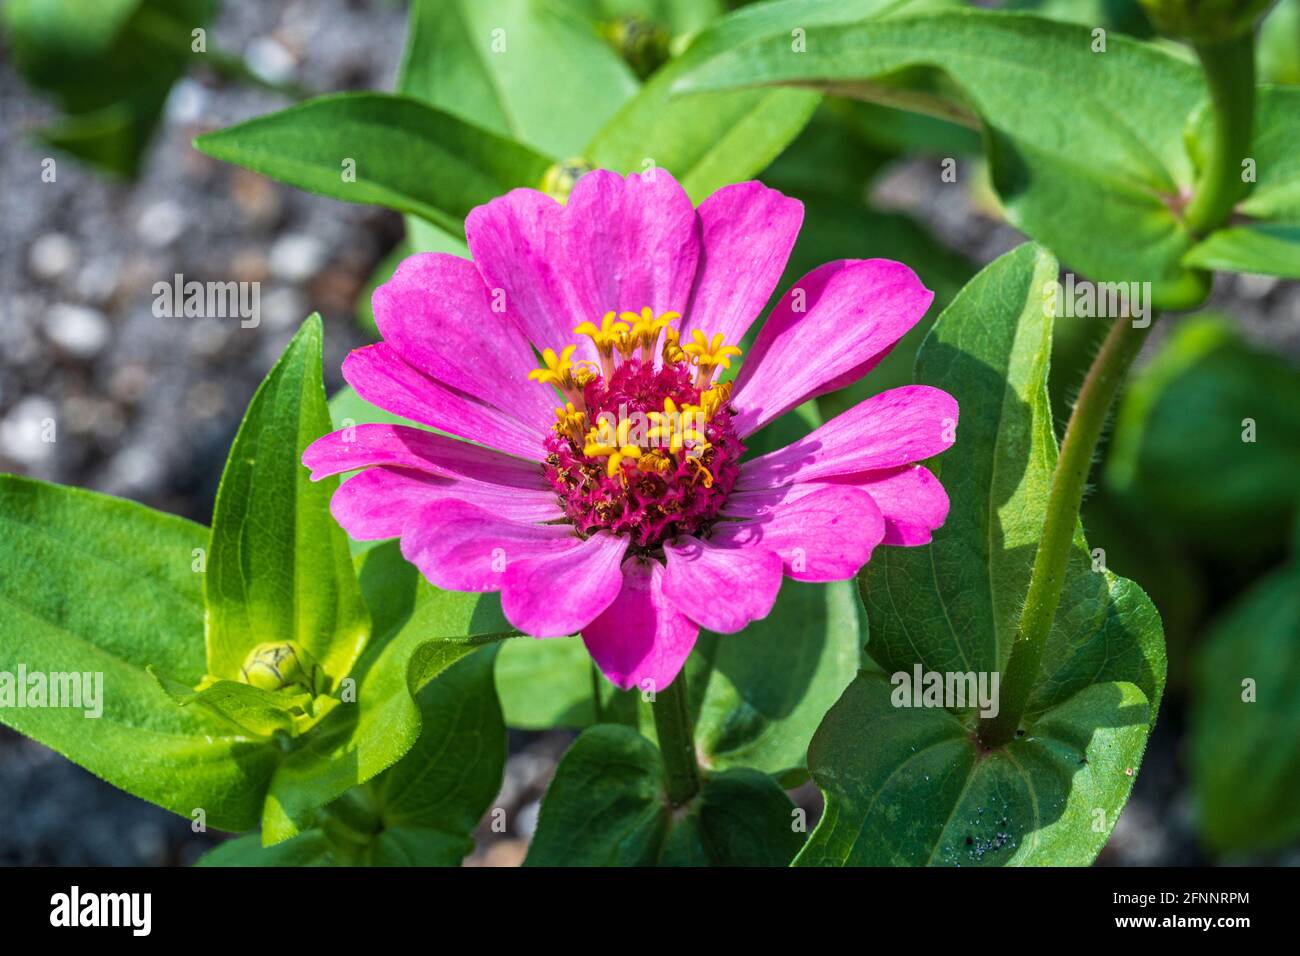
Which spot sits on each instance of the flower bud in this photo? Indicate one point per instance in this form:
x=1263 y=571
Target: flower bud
x=560 y=179
x=643 y=45
x=275 y=665
x=1204 y=21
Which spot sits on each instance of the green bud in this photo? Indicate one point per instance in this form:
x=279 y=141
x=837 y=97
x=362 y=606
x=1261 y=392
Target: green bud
x=560 y=179
x=1204 y=21
x=275 y=665
x=643 y=45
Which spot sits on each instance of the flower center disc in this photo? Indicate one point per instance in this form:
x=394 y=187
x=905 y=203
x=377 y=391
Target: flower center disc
x=643 y=451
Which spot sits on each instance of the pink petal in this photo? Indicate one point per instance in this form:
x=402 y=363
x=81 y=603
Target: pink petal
x=912 y=500
x=826 y=535
x=721 y=589
x=853 y=311
x=459 y=547
x=436 y=314
x=746 y=233
x=630 y=243
x=894 y=428
x=555 y=594
x=383 y=378
x=552 y=583
x=378 y=503
x=517 y=242
x=403 y=446
x=641 y=640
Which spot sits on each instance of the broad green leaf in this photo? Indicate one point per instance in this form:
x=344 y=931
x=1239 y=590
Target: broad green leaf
x=1265 y=236
x=548 y=683
x=431 y=801
x=1279 y=44
x=710 y=140
x=1208 y=439
x=1086 y=149
x=109 y=64
x=312 y=848
x=526 y=69
x=279 y=567
x=1262 y=249
x=606 y=807
x=98 y=585
x=911 y=785
x=766 y=689
x=423 y=810
x=250 y=709
x=419 y=632
x=405 y=154
x=1245 y=720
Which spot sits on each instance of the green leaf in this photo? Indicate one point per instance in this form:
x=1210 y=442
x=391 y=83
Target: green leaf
x=1279 y=44
x=98 y=585
x=767 y=689
x=408 y=156
x=419 y=632
x=526 y=69
x=547 y=683
x=250 y=709
x=109 y=65
x=279 y=568
x=710 y=140
x=1245 y=766
x=1268 y=241
x=1181 y=451
x=423 y=810
x=1262 y=249
x=607 y=807
x=1094 y=187
x=431 y=801
x=907 y=787
x=313 y=848
x=911 y=785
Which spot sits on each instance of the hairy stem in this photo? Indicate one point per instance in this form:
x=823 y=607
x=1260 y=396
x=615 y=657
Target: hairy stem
x=1230 y=73
x=677 y=741
x=1082 y=433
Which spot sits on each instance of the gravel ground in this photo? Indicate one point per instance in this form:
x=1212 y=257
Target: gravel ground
x=146 y=407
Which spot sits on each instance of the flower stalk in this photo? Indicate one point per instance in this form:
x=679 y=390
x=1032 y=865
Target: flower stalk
x=1100 y=386
x=677 y=741
x=1230 y=73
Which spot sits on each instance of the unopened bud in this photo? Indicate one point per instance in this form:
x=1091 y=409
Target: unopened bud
x=562 y=177
x=275 y=665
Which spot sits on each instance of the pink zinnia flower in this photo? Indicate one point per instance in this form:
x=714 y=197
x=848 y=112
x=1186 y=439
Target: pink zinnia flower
x=626 y=514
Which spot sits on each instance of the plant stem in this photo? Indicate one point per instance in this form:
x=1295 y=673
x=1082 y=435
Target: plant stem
x=1230 y=73
x=677 y=741
x=1048 y=578
x=597 y=709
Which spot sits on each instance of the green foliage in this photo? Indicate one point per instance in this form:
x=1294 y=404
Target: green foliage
x=914 y=786
x=279 y=567
x=405 y=154
x=421 y=811
x=1095 y=189
x=1199 y=446
x=1245 y=720
x=109 y=64
x=607 y=807
x=96 y=585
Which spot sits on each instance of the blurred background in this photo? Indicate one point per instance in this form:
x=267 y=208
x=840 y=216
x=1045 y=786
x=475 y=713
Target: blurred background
x=146 y=407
